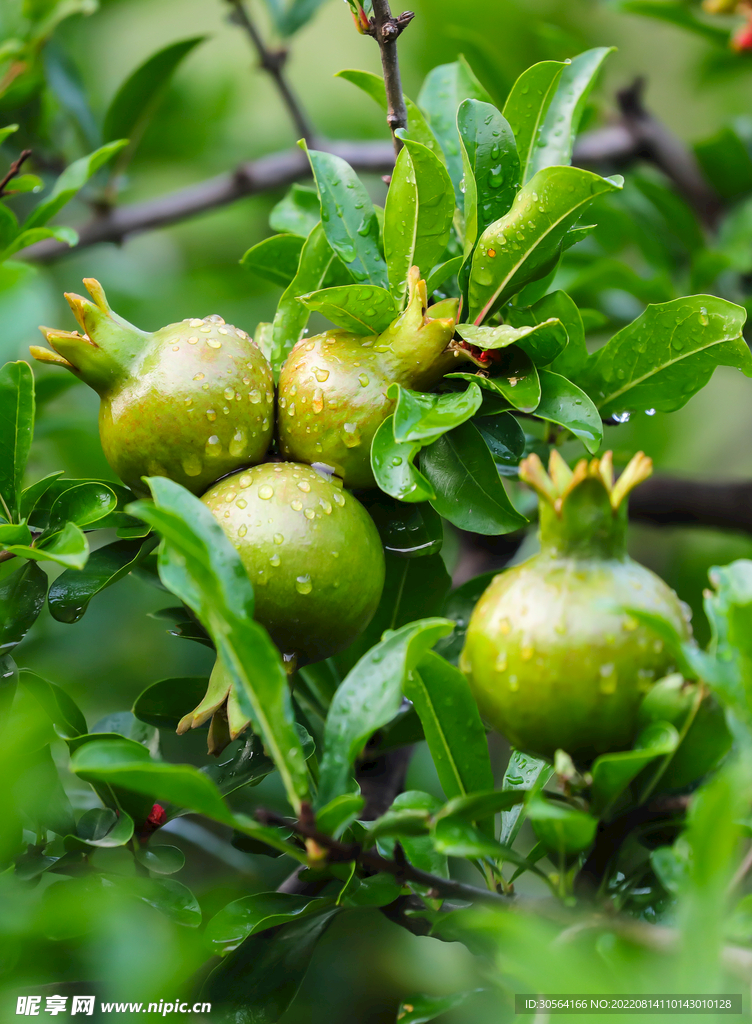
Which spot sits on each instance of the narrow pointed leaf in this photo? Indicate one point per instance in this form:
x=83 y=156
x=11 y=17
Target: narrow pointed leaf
x=71 y=181
x=526 y=108
x=72 y=591
x=16 y=430
x=417 y=126
x=491 y=166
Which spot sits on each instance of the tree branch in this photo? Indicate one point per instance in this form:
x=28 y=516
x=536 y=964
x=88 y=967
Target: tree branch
x=674 y=501
x=13 y=172
x=386 y=30
x=256 y=176
x=273 y=62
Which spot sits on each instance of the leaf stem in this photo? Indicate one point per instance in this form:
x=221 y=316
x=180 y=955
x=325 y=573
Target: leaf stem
x=386 y=30
x=273 y=62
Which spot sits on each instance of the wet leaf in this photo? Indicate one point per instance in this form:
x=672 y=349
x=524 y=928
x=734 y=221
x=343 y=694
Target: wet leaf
x=424 y=417
x=526 y=108
x=275 y=259
x=72 y=591
x=361 y=308
x=164 y=703
x=298 y=213
x=71 y=181
x=16 y=431
x=253 y=914
x=22 y=595
x=562 y=402
x=393 y=468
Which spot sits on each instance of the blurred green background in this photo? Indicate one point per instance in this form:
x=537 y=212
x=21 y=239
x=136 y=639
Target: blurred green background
x=221 y=110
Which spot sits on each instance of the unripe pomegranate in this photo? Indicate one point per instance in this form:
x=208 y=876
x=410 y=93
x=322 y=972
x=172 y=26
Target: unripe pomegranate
x=552 y=654
x=192 y=401
x=333 y=387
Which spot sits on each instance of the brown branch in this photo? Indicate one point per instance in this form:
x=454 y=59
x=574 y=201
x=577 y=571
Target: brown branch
x=386 y=31
x=262 y=175
x=13 y=171
x=674 y=501
x=273 y=62
x=403 y=870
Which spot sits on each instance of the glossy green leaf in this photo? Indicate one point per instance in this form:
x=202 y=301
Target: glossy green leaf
x=419 y=1009
x=39 y=791
x=83 y=504
x=562 y=829
x=562 y=120
x=417 y=216
x=371 y=891
x=265 y=972
x=522 y=774
x=505 y=440
x=71 y=181
x=526 y=108
x=164 y=703
x=170 y=897
x=523 y=245
x=340 y=812
x=412 y=531
x=458 y=606
x=22 y=595
x=469 y=490
x=69 y=547
x=360 y=308
x=135 y=101
x=100 y=827
x=560 y=306
x=318 y=263
x=612 y=773
x=119 y=763
x=161 y=860
x=549 y=336
x=369 y=697
x=257 y=913
x=417 y=126
x=8 y=226
x=444 y=89
x=407 y=821
x=275 y=259
x=348 y=218
x=562 y=402
x=667 y=355
x=425 y=417
x=35 y=492
x=72 y=591
x=491 y=171
x=392 y=464
x=31 y=236
x=452 y=726
x=250 y=764
x=16 y=431
x=200 y=566
x=726 y=163
x=442 y=272
x=480 y=804
x=298 y=213
x=515 y=380
x=457 y=838
x=62 y=710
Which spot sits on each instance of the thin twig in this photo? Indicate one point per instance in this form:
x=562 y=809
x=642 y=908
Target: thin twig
x=386 y=31
x=403 y=870
x=13 y=171
x=273 y=62
x=262 y=175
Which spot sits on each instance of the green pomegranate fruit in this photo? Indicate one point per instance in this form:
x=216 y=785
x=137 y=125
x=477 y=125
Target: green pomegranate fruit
x=316 y=562
x=552 y=654
x=333 y=387
x=192 y=402
x=701 y=723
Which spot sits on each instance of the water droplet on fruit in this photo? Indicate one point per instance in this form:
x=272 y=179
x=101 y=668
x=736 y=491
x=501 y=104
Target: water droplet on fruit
x=351 y=435
x=229 y=394
x=274 y=560
x=205 y=330
x=193 y=340
x=261 y=578
x=213 y=446
x=339 y=499
x=317 y=402
x=196 y=323
x=326 y=506
x=296 y=505
x=363 y=380
x=214 y=343
x=303 y=584
x=266 y=492
x=211 y=415
x=242 y=503
x=242 y=530
x=304 y=486
x=238 y=444
x=245 y=480
x=321 y=375
x=199 y=376
x=231 y=496
x=192 y=465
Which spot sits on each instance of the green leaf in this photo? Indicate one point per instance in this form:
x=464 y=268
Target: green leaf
x=526 y=108
x=425 y=417
x=419 y=1009
x=442 y=272
x=667 y=355
x=170 y=897
x=298 y=213
x=83 y=504
x=22 y=595
x=135 y=101
x=452 y=725
x=612 y=773
x=72 y=591
x=62 y=710
x=524 y=245
x=392 y=464
x=545 y=339
x=8 y=226
x=252 y=914
x=444 y=89
x=516 y=381
x=275 y=259
x=348 y=217
x=418 y=215
x=726 y=163
x=564 y=403
x=161 y=860
x=265 y=972
x=407 y=821
x=164 y=703
x=469 y=490
x=560 y=306
x=318 y=262
x=120 y=763
x=491 y=169
x=369 y=697
x=100 y=828
x=360 y=308
x=562 y=829
x=33 y=235
x=33 y=494
x=677 y=13
x=562 y=121
x=523 y=772
x=69 y=547
x=457 y=838
x=412 y=531
x=200 y=566
x=417 y=126
x=16 y=430
x=480 y=804
x=458 y=607
x=340 y=812
x=71 y=181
